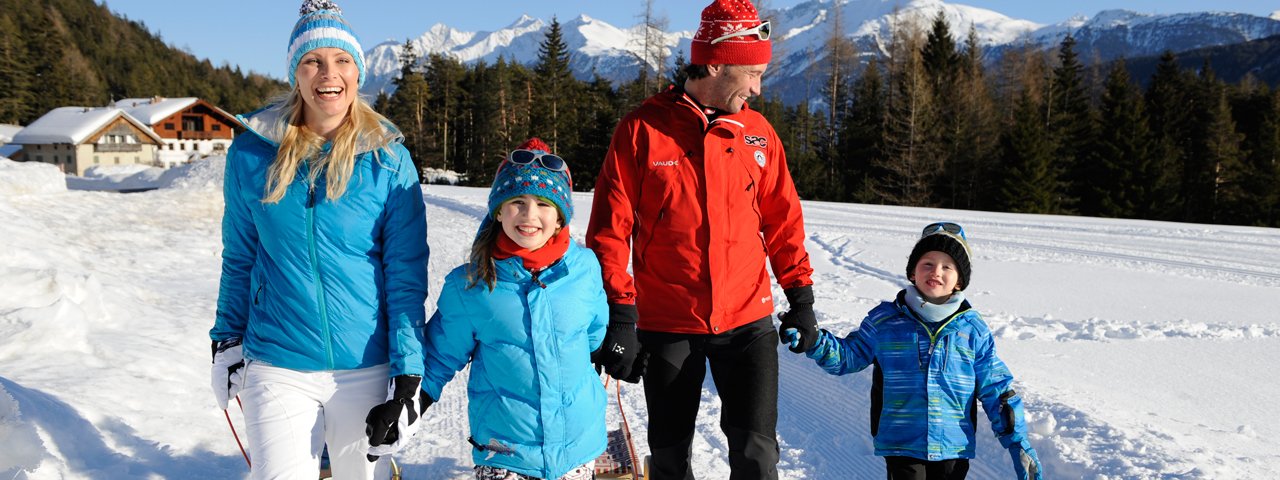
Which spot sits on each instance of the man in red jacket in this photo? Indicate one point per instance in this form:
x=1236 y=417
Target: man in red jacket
x=696 y=193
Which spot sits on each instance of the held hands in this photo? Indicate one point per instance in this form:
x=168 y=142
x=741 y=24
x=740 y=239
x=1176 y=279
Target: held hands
x=799 y=326
x=228 y=370
x=619 y=354
x=1026 y=464
x=391 y=424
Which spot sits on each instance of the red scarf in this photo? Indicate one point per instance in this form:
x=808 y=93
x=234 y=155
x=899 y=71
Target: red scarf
x=534 y=260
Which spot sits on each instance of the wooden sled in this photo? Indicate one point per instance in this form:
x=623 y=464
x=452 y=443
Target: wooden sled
x=620 y=460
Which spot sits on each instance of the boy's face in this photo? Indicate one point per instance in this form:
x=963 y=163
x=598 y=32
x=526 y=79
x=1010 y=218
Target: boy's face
x=529 y=220
x=935 y=276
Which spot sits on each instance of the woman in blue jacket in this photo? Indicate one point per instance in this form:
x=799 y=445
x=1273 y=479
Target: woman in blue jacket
x=935 y=361
x=324 y=276
x=526 y=311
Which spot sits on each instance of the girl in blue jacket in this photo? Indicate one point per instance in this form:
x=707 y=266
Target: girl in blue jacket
x=526 y=311
x=935 y=359
x=324 y=268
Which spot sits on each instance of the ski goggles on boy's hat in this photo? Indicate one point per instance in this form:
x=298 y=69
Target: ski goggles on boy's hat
x=950 y=229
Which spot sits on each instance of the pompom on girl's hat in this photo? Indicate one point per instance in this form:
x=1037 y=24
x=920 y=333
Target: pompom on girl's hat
x=531 y=169
x=321 y=25
x=948 y=238
x=731 y=33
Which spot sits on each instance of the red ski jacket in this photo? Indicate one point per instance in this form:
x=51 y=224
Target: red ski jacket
x=697 y=207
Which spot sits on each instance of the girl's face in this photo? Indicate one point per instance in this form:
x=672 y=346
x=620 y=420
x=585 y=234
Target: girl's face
x=529 y=221
x=935 y=276
x=327 y=79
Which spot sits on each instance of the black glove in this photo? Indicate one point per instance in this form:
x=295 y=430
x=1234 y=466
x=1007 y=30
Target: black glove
x=390 y=424
x=638 y=368
x=617 y=355
x=800 y=318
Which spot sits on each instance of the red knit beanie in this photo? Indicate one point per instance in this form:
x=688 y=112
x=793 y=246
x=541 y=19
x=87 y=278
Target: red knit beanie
x=723 y=17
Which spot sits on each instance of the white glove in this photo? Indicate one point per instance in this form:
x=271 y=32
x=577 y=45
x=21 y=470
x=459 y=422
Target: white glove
x=390 y=425
x=228 y=370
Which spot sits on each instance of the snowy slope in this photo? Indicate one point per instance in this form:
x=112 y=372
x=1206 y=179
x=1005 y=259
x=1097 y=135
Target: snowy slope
x=1143 y=348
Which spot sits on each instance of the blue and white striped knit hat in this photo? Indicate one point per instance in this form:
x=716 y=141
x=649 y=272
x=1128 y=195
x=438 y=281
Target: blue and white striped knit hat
x=322 y=26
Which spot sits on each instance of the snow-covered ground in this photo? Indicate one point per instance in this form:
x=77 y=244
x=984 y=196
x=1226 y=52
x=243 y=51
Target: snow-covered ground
x=1143 y=348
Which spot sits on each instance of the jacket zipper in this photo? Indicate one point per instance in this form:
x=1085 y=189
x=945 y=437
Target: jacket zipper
x=315 y=273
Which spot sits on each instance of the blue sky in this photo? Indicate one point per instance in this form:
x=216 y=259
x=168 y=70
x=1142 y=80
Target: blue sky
x=253 y=33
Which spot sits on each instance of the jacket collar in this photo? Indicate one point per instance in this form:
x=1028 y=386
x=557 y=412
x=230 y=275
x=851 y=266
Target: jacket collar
x=270 y=123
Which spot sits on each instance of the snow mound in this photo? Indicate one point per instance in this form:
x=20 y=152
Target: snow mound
x=26 y=178
x=47 y=306
x=200 y=174
x=116 y=177
x=25 y=450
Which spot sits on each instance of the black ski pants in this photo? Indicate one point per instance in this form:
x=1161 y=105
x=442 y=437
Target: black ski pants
x=744 y=367
x=907 y=468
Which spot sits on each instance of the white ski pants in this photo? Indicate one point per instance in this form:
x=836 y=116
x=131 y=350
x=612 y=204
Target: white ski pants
x=290 y=416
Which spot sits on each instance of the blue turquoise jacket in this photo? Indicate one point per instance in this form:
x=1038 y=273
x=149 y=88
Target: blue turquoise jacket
x=532 y=394
x=315 y=284
x=924 y=400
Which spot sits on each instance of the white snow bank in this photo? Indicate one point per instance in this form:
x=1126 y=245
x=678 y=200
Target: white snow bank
x=25 y=451
x=202 y=173
x=25 y=178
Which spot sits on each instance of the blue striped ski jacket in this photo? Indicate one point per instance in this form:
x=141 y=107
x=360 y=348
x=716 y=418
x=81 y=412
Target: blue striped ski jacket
x=534 y=400
x=924 y=400
x=313 y=284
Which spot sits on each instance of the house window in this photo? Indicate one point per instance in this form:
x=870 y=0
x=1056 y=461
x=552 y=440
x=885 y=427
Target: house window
x=39 y=158
x=168 y=126
x=217 y=127
x=193 y=123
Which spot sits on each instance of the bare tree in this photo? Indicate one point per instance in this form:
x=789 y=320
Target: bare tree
x=653 y=47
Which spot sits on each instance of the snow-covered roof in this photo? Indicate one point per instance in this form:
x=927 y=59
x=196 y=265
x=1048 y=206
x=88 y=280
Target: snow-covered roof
x=7 y=132
x=154 y=109
x=74 y=124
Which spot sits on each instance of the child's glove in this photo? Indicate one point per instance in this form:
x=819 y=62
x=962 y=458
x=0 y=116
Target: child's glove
x=617 y=354
x=391 y=424
x=1025 y=462
x=800 y=320
x=228 y=370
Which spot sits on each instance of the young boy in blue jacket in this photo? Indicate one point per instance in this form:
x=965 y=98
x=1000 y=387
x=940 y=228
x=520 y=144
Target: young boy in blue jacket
x=935 y=360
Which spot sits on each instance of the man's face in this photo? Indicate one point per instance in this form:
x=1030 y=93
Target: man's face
x=731 y=85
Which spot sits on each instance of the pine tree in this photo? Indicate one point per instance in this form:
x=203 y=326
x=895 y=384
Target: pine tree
x=973 y=163
x=1169 y=103
x=1071 y=123
x=862 y=139
x=829 y=181
x=1127 y=169
x=1200 y=170
x=942 y=65
x=1031 y=182
x=15 y=102
x=407 y=107
x=555 y=85
x=444 y=78
x=911 y=124
x=1230 y=200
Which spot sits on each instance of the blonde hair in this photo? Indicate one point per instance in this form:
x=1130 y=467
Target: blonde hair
x=362 y=130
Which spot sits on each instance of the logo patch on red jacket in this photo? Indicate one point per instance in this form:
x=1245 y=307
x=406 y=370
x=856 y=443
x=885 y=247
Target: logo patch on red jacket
x=754 y=141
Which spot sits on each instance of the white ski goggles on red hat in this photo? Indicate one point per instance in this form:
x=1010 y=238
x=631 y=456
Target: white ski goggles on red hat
x=761 y=31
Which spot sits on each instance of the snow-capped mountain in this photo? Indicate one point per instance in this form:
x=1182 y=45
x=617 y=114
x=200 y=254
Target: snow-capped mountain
x=598 y=48
x=1123 y=33
x=595 y=46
